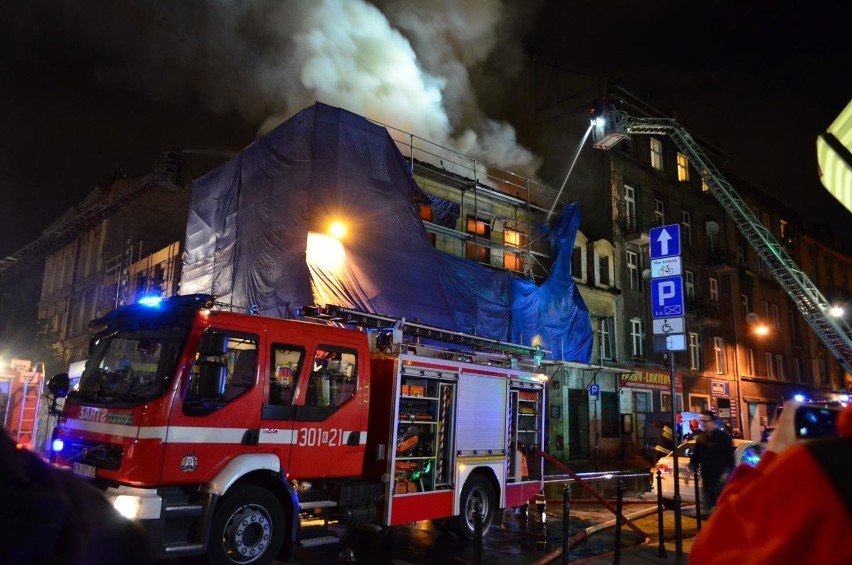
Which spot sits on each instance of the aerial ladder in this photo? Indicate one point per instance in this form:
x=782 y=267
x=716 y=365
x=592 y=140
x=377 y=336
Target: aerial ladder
x=611 y=125
x=168 y=173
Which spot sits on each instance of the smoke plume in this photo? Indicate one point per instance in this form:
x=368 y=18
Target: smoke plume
x=404 y=63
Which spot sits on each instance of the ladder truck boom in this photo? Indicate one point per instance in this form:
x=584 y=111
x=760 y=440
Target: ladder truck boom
x=611 y=125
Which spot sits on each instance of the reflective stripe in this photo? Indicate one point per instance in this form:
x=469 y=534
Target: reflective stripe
x=120 y=430
x=193 y=434
x=277 y=436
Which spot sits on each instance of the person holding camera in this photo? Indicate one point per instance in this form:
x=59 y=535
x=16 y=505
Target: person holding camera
x=714 y=453
x=795 y=506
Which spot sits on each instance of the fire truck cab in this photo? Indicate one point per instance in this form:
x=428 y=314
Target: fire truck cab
x=222 y=432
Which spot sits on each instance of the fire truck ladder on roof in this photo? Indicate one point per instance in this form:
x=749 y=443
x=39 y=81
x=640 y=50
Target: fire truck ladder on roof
x=833 y=331
x=354 y=317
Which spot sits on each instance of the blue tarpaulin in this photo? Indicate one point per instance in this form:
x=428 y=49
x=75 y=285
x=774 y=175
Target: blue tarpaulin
x=249 y=221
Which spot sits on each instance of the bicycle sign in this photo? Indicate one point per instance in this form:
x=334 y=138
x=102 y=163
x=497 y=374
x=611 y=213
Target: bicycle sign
x=666 y=267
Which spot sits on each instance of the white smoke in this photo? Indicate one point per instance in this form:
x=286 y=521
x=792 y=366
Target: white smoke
x=407 y=65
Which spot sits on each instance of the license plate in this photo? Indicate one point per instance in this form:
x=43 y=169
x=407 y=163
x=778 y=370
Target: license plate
x=84 y=470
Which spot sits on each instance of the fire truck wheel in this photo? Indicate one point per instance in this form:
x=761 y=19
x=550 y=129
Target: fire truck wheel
x=248 y=527
x=477 y=491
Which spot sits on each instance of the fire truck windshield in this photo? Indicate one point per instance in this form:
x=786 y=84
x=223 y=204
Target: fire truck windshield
x=130 y=366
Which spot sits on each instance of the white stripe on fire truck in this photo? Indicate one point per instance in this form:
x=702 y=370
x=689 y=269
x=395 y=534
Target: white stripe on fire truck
x=120 y=430
x=193 y=434
x=291 y=437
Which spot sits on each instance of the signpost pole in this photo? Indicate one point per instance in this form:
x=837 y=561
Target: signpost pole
x=677 y=515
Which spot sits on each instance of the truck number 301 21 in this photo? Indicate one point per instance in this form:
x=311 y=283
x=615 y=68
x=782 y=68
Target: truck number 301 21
x=311 y=437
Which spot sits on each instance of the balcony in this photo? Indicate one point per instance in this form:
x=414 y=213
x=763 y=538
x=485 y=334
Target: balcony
x=635 y=228
x=720 y=261
x=701 y=311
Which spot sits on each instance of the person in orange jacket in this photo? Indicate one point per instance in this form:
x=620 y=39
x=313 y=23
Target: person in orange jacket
x=787 y=509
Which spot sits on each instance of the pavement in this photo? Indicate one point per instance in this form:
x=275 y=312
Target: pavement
x=649 y=551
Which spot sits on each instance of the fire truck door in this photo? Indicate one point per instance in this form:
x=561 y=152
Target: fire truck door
x=329 y=428
x=205 y=433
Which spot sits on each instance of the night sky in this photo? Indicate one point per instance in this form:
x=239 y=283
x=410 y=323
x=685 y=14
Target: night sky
x=88 y=87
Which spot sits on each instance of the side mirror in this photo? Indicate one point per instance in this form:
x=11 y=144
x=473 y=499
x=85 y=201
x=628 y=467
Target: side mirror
x=212 y=379
x=213 y=344
x=58 y=385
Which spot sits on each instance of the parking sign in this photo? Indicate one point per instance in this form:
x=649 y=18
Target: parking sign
x=667 y=297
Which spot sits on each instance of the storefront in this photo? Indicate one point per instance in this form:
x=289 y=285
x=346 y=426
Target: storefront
x=643 y=391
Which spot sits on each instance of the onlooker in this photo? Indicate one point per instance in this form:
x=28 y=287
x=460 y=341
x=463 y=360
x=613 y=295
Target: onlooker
x=50 y=516
x=714 y=454
x=795 y=506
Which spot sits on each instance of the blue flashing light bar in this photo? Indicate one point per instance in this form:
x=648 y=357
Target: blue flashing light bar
x=151 y=301
x=58 y=445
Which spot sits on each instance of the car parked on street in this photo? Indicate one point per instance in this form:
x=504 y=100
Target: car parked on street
x=745 y=451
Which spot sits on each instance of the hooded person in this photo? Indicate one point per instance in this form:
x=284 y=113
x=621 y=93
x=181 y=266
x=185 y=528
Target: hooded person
x=52 y=516
x=795 y=506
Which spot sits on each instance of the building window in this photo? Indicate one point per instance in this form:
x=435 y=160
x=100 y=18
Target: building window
x=776 y=317
x=659 y=213
x=823 y=368
x=785 y=229
x=514 y=238
x=689 y=284
x=656 y=154
x=704 y=186
x=719 y=351
x=682 y=167
x=742 y=259
x=764 y=219
x=633 y=270
x=607 y=325
x=797 y=369
x=744 y=304
x=779 y=366
x=666 y=402
x=694 y=351
x=578 y=263
x=699 y=402
x=686 y=225
x=609 y=414
x=481 y=229
x=604 y=273
x=714 y=289
x=512 y=261
x=765 y=307
x=770 y=365
x=761 y=268
x=750 y=362
x=630 y=205
x=603 y=270
x=637 y=338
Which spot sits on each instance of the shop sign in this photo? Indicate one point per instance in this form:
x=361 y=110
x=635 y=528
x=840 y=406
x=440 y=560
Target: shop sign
x=719 y=388
x=651 y=380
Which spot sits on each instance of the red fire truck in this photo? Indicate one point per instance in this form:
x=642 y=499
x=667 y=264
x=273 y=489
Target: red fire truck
x=20 y=401
x=222 y=432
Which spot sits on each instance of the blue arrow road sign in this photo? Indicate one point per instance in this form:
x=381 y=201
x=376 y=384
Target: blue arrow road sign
x=667 y=297
x=665 y=241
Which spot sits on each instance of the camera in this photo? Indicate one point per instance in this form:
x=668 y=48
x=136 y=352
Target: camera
x=816 y=421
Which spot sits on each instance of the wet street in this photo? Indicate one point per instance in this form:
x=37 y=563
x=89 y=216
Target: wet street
x=518 y=540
